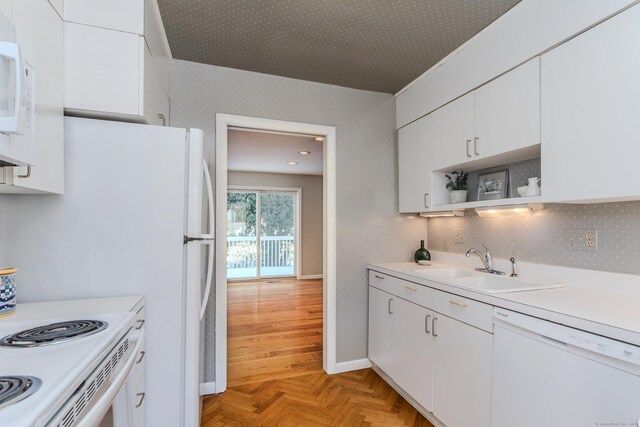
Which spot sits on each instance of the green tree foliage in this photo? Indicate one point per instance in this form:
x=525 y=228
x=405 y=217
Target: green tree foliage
x=277 y=213
x=241 y=207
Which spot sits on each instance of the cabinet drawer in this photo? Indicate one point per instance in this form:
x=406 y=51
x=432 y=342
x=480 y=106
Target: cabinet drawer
x=410 y=291
x=466 y=310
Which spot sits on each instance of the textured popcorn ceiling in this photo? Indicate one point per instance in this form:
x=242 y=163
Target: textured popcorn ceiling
x=377 y=45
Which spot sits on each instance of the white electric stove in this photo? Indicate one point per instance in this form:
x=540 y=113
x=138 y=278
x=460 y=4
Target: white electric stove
x=63 y=370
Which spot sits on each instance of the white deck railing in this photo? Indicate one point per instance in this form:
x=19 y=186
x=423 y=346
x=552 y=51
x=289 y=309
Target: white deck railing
x=275 y=251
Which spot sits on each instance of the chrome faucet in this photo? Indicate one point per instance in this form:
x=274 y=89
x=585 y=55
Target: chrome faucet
x=486 y=259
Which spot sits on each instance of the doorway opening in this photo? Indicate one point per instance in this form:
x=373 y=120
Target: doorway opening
x=263 y=232
x=264 y=285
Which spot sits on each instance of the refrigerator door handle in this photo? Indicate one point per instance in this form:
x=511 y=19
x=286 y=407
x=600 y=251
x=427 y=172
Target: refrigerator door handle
x=207 y=289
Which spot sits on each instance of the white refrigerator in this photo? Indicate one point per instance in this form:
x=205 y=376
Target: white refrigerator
x=132 y=221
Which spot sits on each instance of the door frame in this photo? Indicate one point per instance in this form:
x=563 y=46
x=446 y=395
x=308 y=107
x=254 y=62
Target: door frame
x=297 y=220
x=223 y=122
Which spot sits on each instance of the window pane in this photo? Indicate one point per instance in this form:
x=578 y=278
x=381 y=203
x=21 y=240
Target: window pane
x=242 y=249
x=277 y=231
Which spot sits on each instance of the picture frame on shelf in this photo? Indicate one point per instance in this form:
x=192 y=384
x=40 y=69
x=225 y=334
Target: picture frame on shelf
x=494 y=185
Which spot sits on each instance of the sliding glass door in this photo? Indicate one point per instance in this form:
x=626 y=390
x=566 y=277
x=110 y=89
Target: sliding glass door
x=261 y=233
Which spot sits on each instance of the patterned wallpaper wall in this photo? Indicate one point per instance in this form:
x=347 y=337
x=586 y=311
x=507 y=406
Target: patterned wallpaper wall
x=541 y=237
x=368 y=225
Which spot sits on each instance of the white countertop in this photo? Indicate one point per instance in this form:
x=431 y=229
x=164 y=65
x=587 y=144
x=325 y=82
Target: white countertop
x=610 y=309
x=83 y=307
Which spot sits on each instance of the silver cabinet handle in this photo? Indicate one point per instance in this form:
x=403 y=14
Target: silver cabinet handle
x=426 y=202
x=475 y=145
x=141 y=399
x=426 y=323
x=389 y=306
x=142 y=353
x=433 y=327
x=379 y=277
x=163 y=118
x=26 y=175
x=468 y=142
x=140 y=324
x=410 y=288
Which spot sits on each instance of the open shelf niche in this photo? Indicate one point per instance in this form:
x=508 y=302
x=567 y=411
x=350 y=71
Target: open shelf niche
x=519 y=172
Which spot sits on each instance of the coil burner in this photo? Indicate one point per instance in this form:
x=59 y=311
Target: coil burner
x=15 y=388
x=54 y=333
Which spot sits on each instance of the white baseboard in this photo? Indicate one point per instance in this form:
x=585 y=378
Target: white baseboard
x=311 y=276
x=352 y=365
x=207 y=388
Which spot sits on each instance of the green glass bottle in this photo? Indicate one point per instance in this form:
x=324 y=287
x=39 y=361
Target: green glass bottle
x=422 y=254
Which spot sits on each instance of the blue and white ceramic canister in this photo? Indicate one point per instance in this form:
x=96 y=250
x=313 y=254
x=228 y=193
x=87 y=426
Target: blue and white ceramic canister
x=7 y=291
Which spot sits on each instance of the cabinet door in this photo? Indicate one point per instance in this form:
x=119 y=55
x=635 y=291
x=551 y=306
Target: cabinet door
x=40 y=23
x=590 y=111
x=462 y=378
x=507 y=112
x=103 y=70
x=451 y=133
x=382 y=342
x=415 y=358
x=120 y=15
x=156 y=101
x=414 y=167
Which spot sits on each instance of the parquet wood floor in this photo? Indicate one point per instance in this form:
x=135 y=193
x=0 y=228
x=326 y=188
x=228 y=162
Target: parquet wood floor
x=275 y=375
x=358 y=398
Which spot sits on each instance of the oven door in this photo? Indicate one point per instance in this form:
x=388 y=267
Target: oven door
x=103 y=400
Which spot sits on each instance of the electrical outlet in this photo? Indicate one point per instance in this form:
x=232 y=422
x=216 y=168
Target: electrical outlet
x=458 y=235
x=581 y=239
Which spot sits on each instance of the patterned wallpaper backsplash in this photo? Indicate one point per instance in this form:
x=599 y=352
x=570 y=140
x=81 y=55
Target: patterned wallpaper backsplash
x=541 y=237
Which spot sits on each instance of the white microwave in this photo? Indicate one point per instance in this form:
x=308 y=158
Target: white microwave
x=17 y=96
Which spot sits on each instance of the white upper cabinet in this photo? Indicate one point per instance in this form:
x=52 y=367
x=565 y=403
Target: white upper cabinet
x=117 y=61
x=120 y=15
x=591 y=114
x=507 y=112
x=40 y=26
x=525 y=31
x=414 y=171
x=496 y=119
x=451 y=133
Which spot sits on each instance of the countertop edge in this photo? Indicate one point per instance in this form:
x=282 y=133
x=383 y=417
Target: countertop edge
x=566 y=319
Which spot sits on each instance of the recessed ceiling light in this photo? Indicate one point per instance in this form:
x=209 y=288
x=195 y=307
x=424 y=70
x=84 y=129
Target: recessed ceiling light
x=304 y=153
x=319 y=139
x=293 y=163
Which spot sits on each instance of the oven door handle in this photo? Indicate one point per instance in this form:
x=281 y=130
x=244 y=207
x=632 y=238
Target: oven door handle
x=95 y=415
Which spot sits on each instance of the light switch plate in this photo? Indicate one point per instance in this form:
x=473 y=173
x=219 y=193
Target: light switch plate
x=582 y=239
x=458 y=235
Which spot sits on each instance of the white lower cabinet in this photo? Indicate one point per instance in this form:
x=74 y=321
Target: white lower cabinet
x=462 y=378
x=443 y=363
x=415 y=347
x=381 y=330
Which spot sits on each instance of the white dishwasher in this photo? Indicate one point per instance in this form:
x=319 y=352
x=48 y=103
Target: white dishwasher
x=545 y=374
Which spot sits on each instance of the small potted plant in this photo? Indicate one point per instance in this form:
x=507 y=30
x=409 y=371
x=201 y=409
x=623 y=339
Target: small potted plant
x=458 y=186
